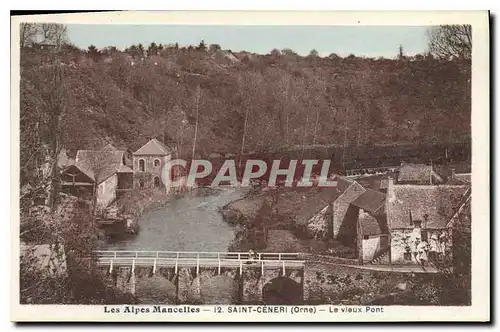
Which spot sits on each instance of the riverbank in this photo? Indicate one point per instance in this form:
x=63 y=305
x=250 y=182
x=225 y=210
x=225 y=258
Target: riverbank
x=268 y=223
x=187 y=222
x=139 y=202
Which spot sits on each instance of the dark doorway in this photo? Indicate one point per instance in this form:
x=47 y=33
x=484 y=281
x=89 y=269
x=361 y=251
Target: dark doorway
x=157 y=182
x=282 y=290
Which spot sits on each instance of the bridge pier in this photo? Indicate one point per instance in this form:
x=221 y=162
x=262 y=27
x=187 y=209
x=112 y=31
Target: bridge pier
x=230 y=278
x=254 y=279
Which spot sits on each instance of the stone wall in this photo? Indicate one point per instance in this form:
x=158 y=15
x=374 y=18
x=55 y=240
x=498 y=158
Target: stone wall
x=335 y=284
x=373 y=246
x=149 y=168
x=318 y=226
x=205 y=286
x=106 y=191
x=341 y=205
x=401 y=244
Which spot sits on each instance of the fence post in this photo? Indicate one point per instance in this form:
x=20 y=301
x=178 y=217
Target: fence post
x=133 y=265
x=154 y=267
x=239 y=256
x=284 y=269
x=262 y=268
x=197 y=264
x=111 y=266
x=241 y=268
x=114 y=254
x=279 y=256
x=176 y=267
x=218 y=270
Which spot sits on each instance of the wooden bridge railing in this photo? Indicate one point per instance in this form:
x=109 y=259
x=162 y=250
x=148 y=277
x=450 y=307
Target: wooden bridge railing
x=194 y=255
x=188 y=258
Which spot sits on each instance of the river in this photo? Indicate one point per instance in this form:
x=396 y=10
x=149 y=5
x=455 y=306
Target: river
x=188 y=223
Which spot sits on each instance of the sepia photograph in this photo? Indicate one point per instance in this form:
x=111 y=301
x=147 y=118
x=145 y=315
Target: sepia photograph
x=248 y=168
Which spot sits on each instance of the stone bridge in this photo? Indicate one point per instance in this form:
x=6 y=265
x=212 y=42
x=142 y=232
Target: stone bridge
x=187 y=277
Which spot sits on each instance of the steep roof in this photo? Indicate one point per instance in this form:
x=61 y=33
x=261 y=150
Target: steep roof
x=439 y=203
x=73 y=169
x=153 y=148
x=461 y=220
x=371 y=225
x=99 y=164
x=417 y=174
x=370 y=200
x=304 y=203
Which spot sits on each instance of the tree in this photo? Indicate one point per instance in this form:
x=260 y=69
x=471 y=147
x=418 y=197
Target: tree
x=152 y=49
x=448 y=41
x=54 y=33
x=214 y=48
x=275 y=53
x=140 y=50
x=93 y=52
x=202 y=46
x=27 y=33
x=313 y=53
x=401 y=54
x=288 y=51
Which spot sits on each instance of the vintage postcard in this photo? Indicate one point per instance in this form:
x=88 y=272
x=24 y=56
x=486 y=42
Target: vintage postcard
x=250 y=166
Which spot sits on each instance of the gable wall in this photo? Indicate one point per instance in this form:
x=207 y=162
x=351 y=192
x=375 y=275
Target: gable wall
x=341 y=205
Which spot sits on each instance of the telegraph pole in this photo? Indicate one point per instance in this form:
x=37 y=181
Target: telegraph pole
x=197 y=104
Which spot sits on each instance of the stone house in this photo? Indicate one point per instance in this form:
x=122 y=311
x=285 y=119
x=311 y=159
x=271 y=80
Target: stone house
x=371 y=231
x=103 y=172
x=419 y=218
x=148 y=164
x=323 y=212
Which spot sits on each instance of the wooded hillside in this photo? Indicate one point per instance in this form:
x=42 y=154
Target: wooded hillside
x=286 y=99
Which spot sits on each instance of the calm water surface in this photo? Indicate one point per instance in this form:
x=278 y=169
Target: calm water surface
x=190 y=223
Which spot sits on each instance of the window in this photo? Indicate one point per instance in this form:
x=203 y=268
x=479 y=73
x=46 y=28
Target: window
x=142 y=166
x=366 y=237
x=157 y=182
x=407 y=256
x=157 y=162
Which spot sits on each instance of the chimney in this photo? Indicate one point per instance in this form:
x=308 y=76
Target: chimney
x=390 y=189
x=390 y=182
